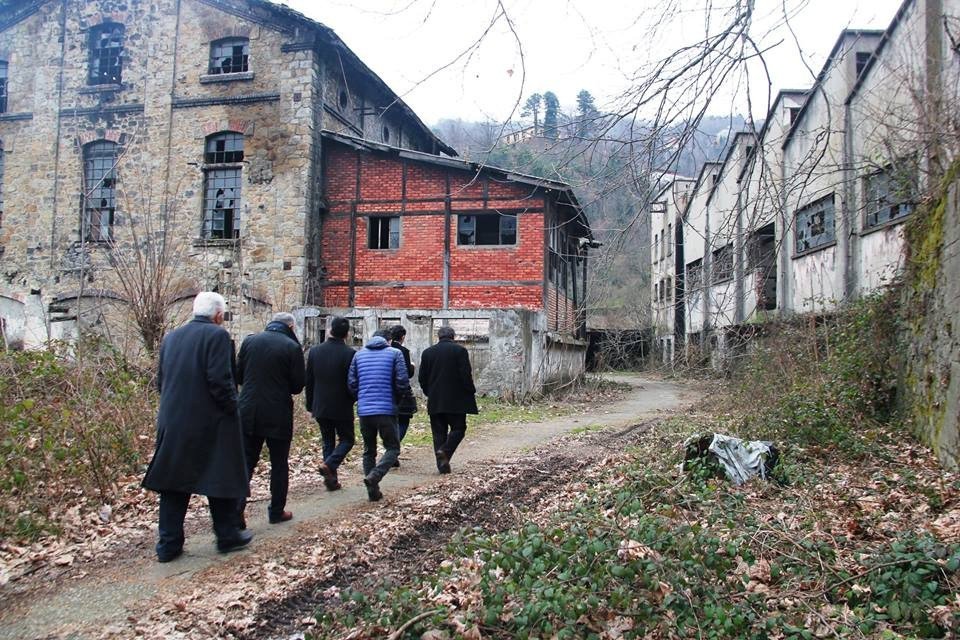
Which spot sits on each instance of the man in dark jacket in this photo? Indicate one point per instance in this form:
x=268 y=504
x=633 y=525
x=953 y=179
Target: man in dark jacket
x=377 y=376
x=199 y=441
x=330 y=400
x=270 y=370
x=446 y=379
x=407 y=405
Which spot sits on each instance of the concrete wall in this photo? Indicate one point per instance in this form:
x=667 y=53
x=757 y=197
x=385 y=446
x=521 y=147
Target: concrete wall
x=512 y=353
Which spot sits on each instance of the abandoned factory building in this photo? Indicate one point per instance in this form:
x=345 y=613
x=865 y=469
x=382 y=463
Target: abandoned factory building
x=154 y=149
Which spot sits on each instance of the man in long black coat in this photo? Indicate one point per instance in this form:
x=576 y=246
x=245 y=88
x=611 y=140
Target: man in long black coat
x=270 y=371
x=446 y=378
x=329 y=399
x=199 y=441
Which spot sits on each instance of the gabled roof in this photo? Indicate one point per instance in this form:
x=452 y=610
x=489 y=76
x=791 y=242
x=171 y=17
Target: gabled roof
x=700 y=178
x=897 y=19
x=783 y=93
x=729 y=154
x=667 y=184
x=362 y=144
x=285 y=18
x=838 y=45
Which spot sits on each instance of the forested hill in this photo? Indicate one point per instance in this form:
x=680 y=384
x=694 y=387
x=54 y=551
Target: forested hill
x=610 y=166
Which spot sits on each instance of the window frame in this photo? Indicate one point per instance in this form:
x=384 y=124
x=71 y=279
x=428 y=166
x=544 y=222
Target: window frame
x=97 y=76
x=693 y=278
x=217 y=70
x=828 y=205
x=874 y=201
x=92 y=157
x=224 y=165
x=721 y=257
x=502 y=222
x=391 y=234
x=4 y=84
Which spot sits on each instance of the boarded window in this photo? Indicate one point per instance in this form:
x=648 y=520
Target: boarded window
x=230 y=55
x=723 y=264
x=106 y=54
x=383 y=232
x=487 y=229
x=889 y=195
x=99 y=190
x=815 y=225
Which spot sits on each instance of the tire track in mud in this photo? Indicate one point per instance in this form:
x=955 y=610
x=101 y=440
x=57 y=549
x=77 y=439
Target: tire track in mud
x=513 y=488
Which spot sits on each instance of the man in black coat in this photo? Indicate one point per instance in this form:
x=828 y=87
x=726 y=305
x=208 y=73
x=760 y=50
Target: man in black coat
x=270 y=370
x=199 y=442
x=447 y=380
x=329 y=399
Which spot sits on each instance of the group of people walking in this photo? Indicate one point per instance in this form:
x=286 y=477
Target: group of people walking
x=210 y=434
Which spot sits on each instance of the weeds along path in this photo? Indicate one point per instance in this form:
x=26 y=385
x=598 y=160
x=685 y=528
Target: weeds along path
x=338 y=541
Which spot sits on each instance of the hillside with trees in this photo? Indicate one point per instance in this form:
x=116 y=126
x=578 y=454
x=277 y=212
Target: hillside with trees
x=613 y=166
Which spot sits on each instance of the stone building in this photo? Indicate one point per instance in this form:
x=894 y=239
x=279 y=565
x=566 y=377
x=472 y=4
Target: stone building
x=153 y=149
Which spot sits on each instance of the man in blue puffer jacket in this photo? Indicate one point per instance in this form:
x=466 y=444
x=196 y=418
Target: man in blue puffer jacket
x=377 y=376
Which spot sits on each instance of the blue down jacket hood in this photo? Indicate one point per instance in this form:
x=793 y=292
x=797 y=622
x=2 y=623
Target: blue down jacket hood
x=377 y=376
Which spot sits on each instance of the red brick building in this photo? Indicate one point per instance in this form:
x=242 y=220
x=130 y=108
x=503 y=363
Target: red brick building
x=403 y=229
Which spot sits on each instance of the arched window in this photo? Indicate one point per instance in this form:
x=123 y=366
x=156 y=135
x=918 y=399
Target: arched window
x=3 y=86
x=221 y=186
x=230 y=55
x=106 y=53
x=99 y=190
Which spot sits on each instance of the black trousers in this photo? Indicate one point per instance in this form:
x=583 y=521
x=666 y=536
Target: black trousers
x=386 y=427
x=279 y=469
x=448 y=431
x=338 y=438
x=173 y=509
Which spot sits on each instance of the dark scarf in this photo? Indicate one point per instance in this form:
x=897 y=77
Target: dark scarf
x=281 y=327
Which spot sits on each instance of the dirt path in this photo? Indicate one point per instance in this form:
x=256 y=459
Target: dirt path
x=271 y=589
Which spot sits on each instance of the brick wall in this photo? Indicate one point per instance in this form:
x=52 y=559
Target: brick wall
x=412 y=275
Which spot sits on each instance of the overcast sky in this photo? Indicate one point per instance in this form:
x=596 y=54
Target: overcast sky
x=423 y=48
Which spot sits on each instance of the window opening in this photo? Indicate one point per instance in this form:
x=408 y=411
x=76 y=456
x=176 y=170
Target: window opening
x=487 y=229
x=99 y=190
x=231 y=55
x=385 y=134
x=723 y=264
x=694 y=278
x=889 y=196
x=3 y=86
x=106 y=54
x=343 y=98
x=761 y=261
x=222 y=186
x=863 y=57
x=815 y=225
x=383 y=232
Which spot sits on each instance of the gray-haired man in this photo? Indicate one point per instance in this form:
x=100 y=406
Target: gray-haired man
x=270 y=370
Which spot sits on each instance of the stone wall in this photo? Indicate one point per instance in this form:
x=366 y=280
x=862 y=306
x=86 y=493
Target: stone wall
x=930 y=380
x=159 y=115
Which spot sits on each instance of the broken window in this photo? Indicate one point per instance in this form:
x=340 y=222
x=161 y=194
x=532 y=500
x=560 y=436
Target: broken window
x=889 y=195
x=221 y=189
x=383 y=232
x=106 y=53
x=694 y=278
x=761 y=261
x=99 y=190
x=3 y=86
x=723 y=264
x=815 y=225
x=487 y=229
x=356 y=332
x=230 y=55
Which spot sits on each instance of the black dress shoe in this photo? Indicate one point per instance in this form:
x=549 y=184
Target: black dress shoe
x=168 y=557
x=443 y=461
x=241 y=540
